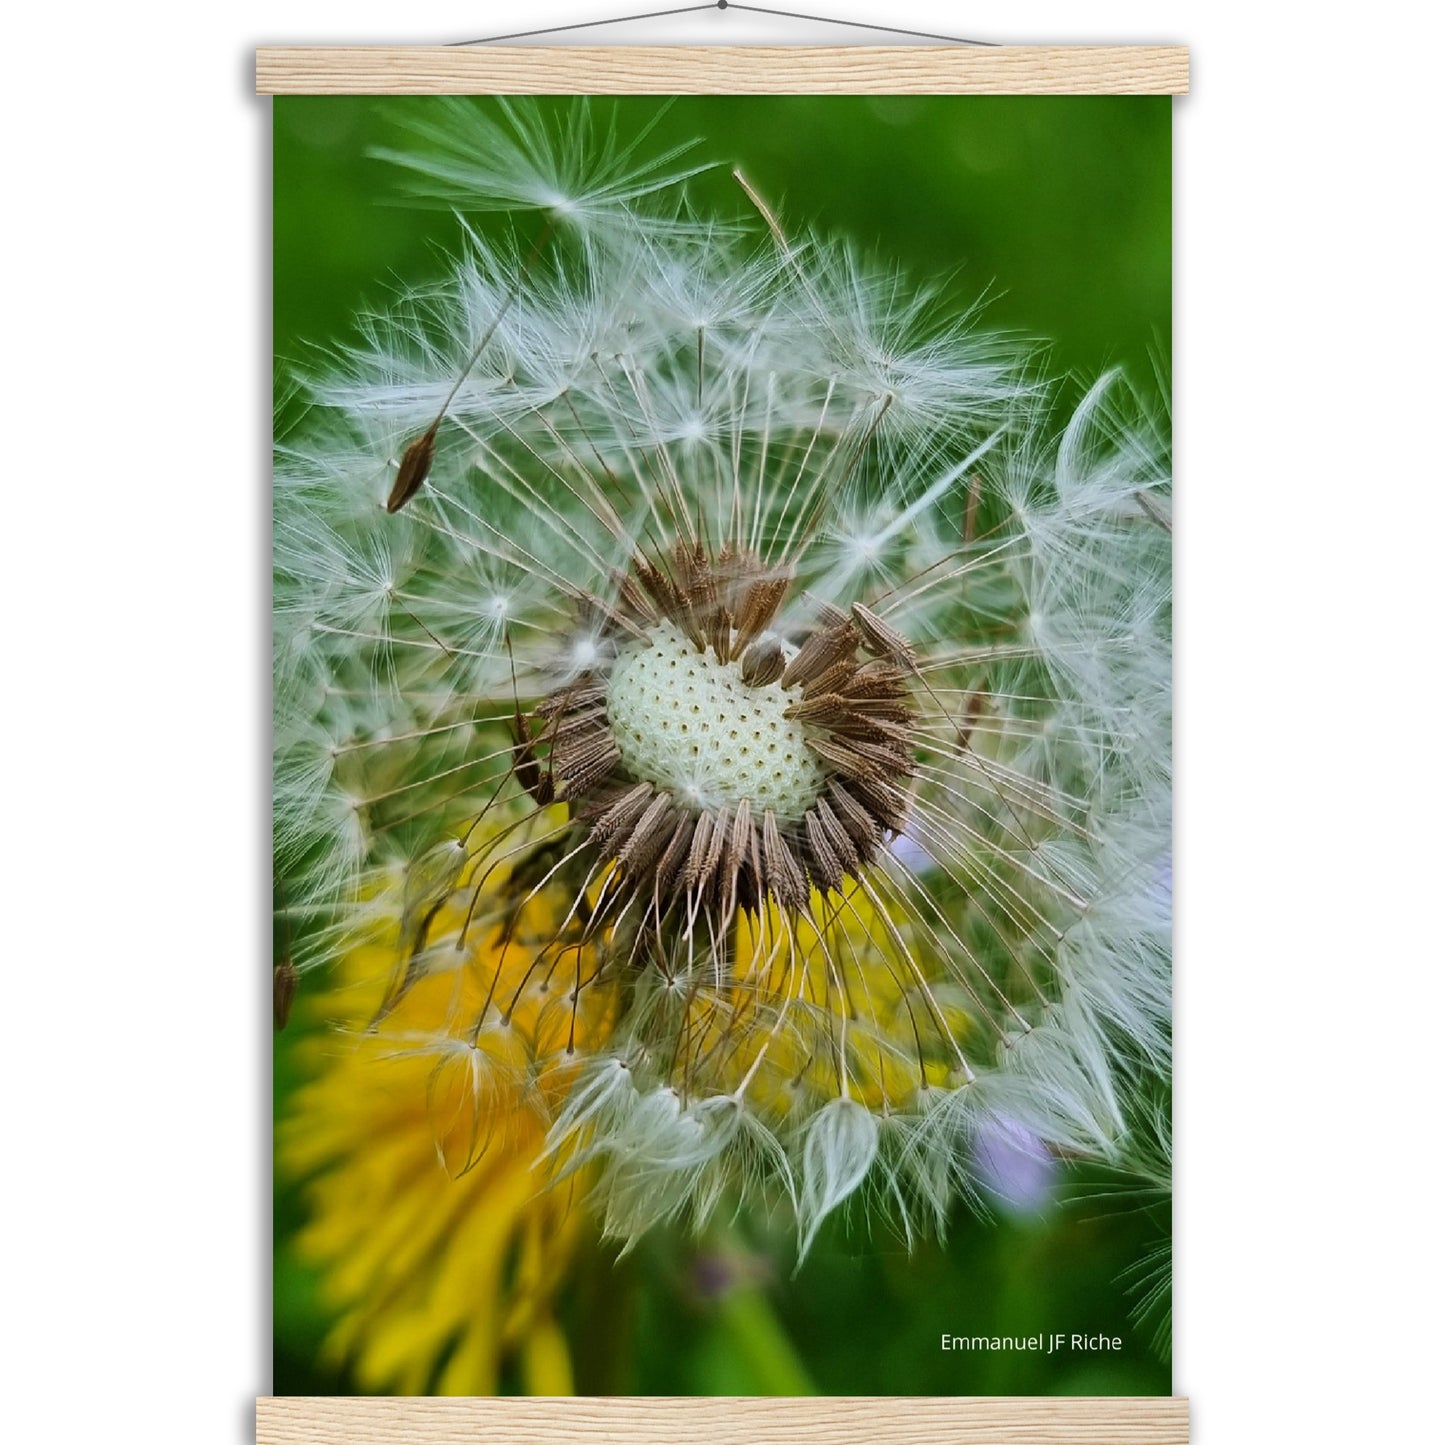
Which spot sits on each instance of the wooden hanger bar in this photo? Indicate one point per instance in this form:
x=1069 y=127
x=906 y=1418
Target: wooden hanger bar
x=341 y=1420
x=723 y=70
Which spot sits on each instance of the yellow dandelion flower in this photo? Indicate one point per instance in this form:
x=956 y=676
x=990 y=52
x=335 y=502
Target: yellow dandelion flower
x=439 y=1243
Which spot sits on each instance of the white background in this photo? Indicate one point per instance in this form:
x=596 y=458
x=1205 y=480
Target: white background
x=1308 y=329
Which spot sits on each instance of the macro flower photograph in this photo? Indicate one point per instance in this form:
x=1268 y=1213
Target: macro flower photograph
x=722 y=745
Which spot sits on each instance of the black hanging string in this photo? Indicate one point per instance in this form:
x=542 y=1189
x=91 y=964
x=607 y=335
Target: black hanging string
x=722 y=5
x=591 y=24
x=854 y=24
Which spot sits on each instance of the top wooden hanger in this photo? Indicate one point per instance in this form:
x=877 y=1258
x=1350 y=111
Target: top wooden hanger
x=723 y=70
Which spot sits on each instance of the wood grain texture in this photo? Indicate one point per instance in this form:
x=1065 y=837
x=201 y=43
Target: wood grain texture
x=862 y=1421
x=723 y=70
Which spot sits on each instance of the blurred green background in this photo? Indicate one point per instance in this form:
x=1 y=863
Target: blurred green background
x=1058 y=210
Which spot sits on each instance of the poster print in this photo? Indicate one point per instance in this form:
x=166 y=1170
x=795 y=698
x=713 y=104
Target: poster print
x=722 y=737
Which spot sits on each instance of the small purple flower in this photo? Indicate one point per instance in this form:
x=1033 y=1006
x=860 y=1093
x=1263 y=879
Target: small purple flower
x=1014 y=1167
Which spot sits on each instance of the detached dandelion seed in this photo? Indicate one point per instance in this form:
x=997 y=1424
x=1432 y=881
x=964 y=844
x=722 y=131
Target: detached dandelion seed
x=739 y=712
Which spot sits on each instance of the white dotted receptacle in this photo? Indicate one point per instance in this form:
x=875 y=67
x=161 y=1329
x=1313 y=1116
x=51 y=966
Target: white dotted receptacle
x=689 y=724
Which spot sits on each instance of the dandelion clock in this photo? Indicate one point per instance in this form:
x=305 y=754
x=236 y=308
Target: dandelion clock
x=722 y=739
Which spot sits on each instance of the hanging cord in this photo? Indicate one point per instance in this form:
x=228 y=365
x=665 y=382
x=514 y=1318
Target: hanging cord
x=722 y=5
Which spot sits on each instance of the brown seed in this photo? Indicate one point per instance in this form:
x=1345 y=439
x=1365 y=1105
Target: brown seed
x=844 y=756
x=649 y=836
x=283 y=991
x=820 y=651
x=873 y=764
x=827 y=866
x=740 y=857
x=673 y=855
x=575 y=772
x=822 y=711
x=740 y=837
x=579 y=725
x=703 y=854
x=707 y=881
x=886 y=709
x=692 y=565
x=659 y=587
x=860 y=823
x=888 y=732
x=721 y=634
x=416 y=462
x=701 y=617
x=620 y=817
x=876 y=679
x=831 y=679
x=524 y=756
x=838 y=837
x=583 y=693
x=760 y=606
x=884 y=641
x=884 y=800
x=829 y=615
x=633 y=596
x=784 y=878
x=763 y=663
